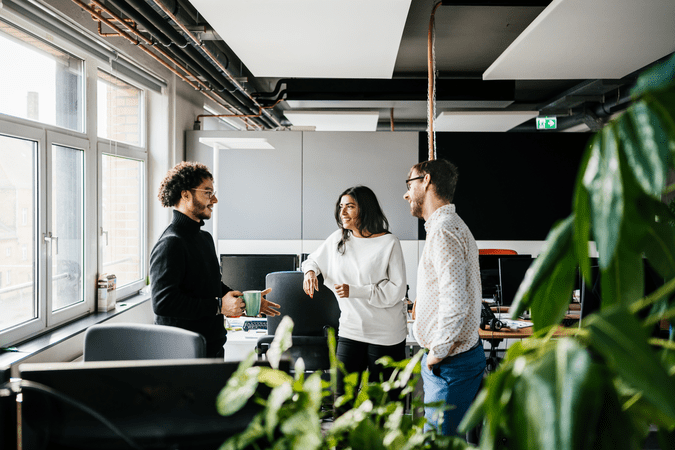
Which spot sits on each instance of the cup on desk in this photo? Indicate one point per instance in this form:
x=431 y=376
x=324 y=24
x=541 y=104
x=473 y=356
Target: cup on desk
x=252 y=301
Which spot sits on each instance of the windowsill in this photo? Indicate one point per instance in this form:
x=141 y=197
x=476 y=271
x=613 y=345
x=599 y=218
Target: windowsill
x=67 y=331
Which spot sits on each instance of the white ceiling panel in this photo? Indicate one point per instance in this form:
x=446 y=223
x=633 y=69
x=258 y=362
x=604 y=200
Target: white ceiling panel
x=597 y=39
x=335 y=120
x=481 y=120
x=310 y=38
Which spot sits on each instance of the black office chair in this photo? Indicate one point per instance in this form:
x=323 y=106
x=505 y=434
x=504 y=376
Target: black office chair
x=136 y=341
x=311 y=318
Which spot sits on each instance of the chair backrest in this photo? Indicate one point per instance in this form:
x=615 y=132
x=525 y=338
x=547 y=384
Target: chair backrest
x=133 y=341
x=310 y=315
x=496 y=251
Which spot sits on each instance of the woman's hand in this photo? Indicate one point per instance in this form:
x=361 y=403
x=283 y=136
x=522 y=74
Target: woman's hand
x=267 y=307
x=310 y=283
x=342 y=290
x=233 y=304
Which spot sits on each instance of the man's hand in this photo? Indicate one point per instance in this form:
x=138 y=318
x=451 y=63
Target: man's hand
x=432 y=361
x=233 y=304
x=267 y=307
x=310 y=283
x=342 y=290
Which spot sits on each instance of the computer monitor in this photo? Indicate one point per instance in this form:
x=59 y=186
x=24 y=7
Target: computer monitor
x=155 y=404
x=489 y=272
x=511 y=275
x=247 y=272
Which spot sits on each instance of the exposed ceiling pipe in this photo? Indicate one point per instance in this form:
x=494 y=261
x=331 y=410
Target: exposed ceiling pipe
x=177 y=44
x=139 y=39
x=240 y=90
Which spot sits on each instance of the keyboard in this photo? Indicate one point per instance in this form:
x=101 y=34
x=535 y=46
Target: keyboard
x=254 y=324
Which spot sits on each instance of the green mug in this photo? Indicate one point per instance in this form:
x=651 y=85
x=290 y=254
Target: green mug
x=252 y=300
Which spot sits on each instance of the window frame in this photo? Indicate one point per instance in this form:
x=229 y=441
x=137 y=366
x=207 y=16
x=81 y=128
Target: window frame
x=44 y=135
x=116 y=148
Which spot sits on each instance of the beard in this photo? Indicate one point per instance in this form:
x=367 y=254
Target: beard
x=416 y=206
x=200 y=210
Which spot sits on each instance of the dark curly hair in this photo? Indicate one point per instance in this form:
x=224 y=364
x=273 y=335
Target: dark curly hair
x=371 y=218
x=183 y=177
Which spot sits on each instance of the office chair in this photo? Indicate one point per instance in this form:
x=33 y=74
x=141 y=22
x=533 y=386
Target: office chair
x=311 y=318
x=496 y=251
x=133 y=341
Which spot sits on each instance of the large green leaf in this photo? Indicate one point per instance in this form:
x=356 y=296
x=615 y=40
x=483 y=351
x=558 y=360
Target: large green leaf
x=645 y=145
x=553 y=297
x=656 y=78
x=239 y=388
x=582 y=218
x=623 y=281
x=621 y=340
x=558 y=246
x=659 y=241
x=602 y=179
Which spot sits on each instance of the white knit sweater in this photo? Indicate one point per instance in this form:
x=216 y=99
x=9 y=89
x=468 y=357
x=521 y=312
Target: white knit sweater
x=374 y=269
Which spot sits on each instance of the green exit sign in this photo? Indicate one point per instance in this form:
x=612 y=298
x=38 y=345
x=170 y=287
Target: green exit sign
x=547 y=123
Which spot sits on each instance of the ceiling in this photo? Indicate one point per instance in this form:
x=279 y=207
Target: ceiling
x=499 y=63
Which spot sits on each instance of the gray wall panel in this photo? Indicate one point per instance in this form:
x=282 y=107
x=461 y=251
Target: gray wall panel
x=334 y=161
x=259 y=191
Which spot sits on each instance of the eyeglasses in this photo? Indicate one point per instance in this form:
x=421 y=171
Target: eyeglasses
x=209 y=193
x=407 y=182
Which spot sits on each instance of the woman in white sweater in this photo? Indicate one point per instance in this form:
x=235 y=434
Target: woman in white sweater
x=362 y=263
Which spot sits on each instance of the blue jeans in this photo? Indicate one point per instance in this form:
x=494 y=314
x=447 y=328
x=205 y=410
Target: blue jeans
x=456 y=383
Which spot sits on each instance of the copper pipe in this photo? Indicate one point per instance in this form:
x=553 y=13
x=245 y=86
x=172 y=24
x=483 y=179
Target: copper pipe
x=432 y=83
x=96 y=15
x=260 y=111
x=391 y=118
x=211 y=57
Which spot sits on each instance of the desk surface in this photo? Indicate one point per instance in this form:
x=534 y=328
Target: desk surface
x=521 y=333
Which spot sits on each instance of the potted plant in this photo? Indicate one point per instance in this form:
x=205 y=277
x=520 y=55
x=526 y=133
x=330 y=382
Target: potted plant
x=613 y=381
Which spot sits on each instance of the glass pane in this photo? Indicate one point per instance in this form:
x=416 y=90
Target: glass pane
x=67 y=249
x=18 y=301
x=121 y=201
x=120 y=109
x=42 y=82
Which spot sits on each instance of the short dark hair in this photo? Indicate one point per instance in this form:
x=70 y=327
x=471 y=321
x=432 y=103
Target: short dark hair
x=443 y=176
x=184 y=176
x=371 y=217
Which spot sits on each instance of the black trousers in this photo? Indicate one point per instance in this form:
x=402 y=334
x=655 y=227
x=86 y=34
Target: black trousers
x=358 y=356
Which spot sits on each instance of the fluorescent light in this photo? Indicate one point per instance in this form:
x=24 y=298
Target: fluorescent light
x=236 y=143
x=335 y=120
x=481 y=120
x=310 y=38
x=581 y=39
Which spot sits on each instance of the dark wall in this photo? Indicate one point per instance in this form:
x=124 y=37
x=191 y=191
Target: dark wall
x=512 y=186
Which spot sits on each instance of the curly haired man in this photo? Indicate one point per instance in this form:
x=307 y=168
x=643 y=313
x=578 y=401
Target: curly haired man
x=187 y=291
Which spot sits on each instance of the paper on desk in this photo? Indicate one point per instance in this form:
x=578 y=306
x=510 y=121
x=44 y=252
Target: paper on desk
x=516 y=324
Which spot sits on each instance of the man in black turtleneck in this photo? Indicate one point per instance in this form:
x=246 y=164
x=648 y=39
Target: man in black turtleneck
x=187 y=291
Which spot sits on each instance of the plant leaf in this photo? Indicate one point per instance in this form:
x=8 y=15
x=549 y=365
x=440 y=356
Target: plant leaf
x=658 y=77
x=558 y=244
x=621 y=340
x=283 y=340
x=602 y=179
x=239 y=388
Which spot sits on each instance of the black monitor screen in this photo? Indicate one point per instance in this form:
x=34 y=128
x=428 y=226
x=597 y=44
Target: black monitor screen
x=155 y=404
x=511 y=275
x=248 y=272
x=489 y=272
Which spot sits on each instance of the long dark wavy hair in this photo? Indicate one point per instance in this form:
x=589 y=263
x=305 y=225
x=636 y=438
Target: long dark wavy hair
x=371 y=218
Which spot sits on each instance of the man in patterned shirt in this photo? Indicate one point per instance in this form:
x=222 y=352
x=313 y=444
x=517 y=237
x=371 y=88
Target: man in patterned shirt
x=447 y=309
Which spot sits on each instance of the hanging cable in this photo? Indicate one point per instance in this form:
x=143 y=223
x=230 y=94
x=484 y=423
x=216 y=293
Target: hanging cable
x=431 y=92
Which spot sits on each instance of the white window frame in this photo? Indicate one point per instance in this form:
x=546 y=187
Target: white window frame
x=125 y=151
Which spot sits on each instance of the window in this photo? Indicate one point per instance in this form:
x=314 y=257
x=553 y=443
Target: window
x=17 y=189
x=122 y=192
x=60 y=192
x=42 y=83
x=120 y=110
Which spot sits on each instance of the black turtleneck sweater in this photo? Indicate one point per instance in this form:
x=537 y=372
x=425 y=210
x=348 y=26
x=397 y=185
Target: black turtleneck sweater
x=186 y=281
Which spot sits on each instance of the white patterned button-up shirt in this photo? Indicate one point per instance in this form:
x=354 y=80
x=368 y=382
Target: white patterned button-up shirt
x=447 y=313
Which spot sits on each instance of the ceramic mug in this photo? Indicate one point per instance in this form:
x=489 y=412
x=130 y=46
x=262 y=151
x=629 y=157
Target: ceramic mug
x=252 y=300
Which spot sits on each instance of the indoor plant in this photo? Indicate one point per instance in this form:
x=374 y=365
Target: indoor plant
x=608 y=384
